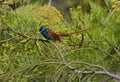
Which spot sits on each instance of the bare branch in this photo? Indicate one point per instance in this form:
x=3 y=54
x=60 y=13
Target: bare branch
x=104 y=70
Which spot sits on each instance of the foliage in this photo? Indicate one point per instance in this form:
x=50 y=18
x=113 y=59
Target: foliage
x=24 y=57
x=9 y=2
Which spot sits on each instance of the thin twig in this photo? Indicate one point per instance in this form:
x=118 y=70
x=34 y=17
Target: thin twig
x=6 y=40
x=50 y=2
x=64 y=62
x=23 y=35
x=110 y=15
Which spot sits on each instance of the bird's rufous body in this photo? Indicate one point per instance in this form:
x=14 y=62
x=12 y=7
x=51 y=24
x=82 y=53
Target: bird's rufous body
x=51 y=35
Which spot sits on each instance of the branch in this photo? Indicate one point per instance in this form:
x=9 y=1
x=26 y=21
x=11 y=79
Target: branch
x=23 y=35
x=90 y=72
x=104 y=71
x=110 y=15
x=50 y=1
x=3 y=41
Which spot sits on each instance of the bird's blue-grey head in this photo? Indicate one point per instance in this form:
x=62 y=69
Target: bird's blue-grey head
x=43 y=30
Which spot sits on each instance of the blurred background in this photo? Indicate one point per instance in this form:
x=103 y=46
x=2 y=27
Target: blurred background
x=63 y=6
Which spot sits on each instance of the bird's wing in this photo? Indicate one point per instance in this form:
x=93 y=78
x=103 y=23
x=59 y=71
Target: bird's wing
x=54 y=35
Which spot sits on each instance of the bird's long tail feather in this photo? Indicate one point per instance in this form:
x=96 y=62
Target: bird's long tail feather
x=63 y=35
x=80 y=31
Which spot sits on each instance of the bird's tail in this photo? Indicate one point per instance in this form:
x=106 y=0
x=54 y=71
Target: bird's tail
x=79 y=31
x=63 y=35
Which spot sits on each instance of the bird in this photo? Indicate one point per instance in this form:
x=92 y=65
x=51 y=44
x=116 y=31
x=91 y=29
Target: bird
x=51 y=35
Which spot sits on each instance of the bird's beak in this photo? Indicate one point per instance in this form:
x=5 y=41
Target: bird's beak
x=39 y=32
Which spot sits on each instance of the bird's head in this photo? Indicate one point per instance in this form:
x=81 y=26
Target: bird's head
x=43 y=29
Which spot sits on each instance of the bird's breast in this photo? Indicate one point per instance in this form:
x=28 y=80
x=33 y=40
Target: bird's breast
x=48 y=36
